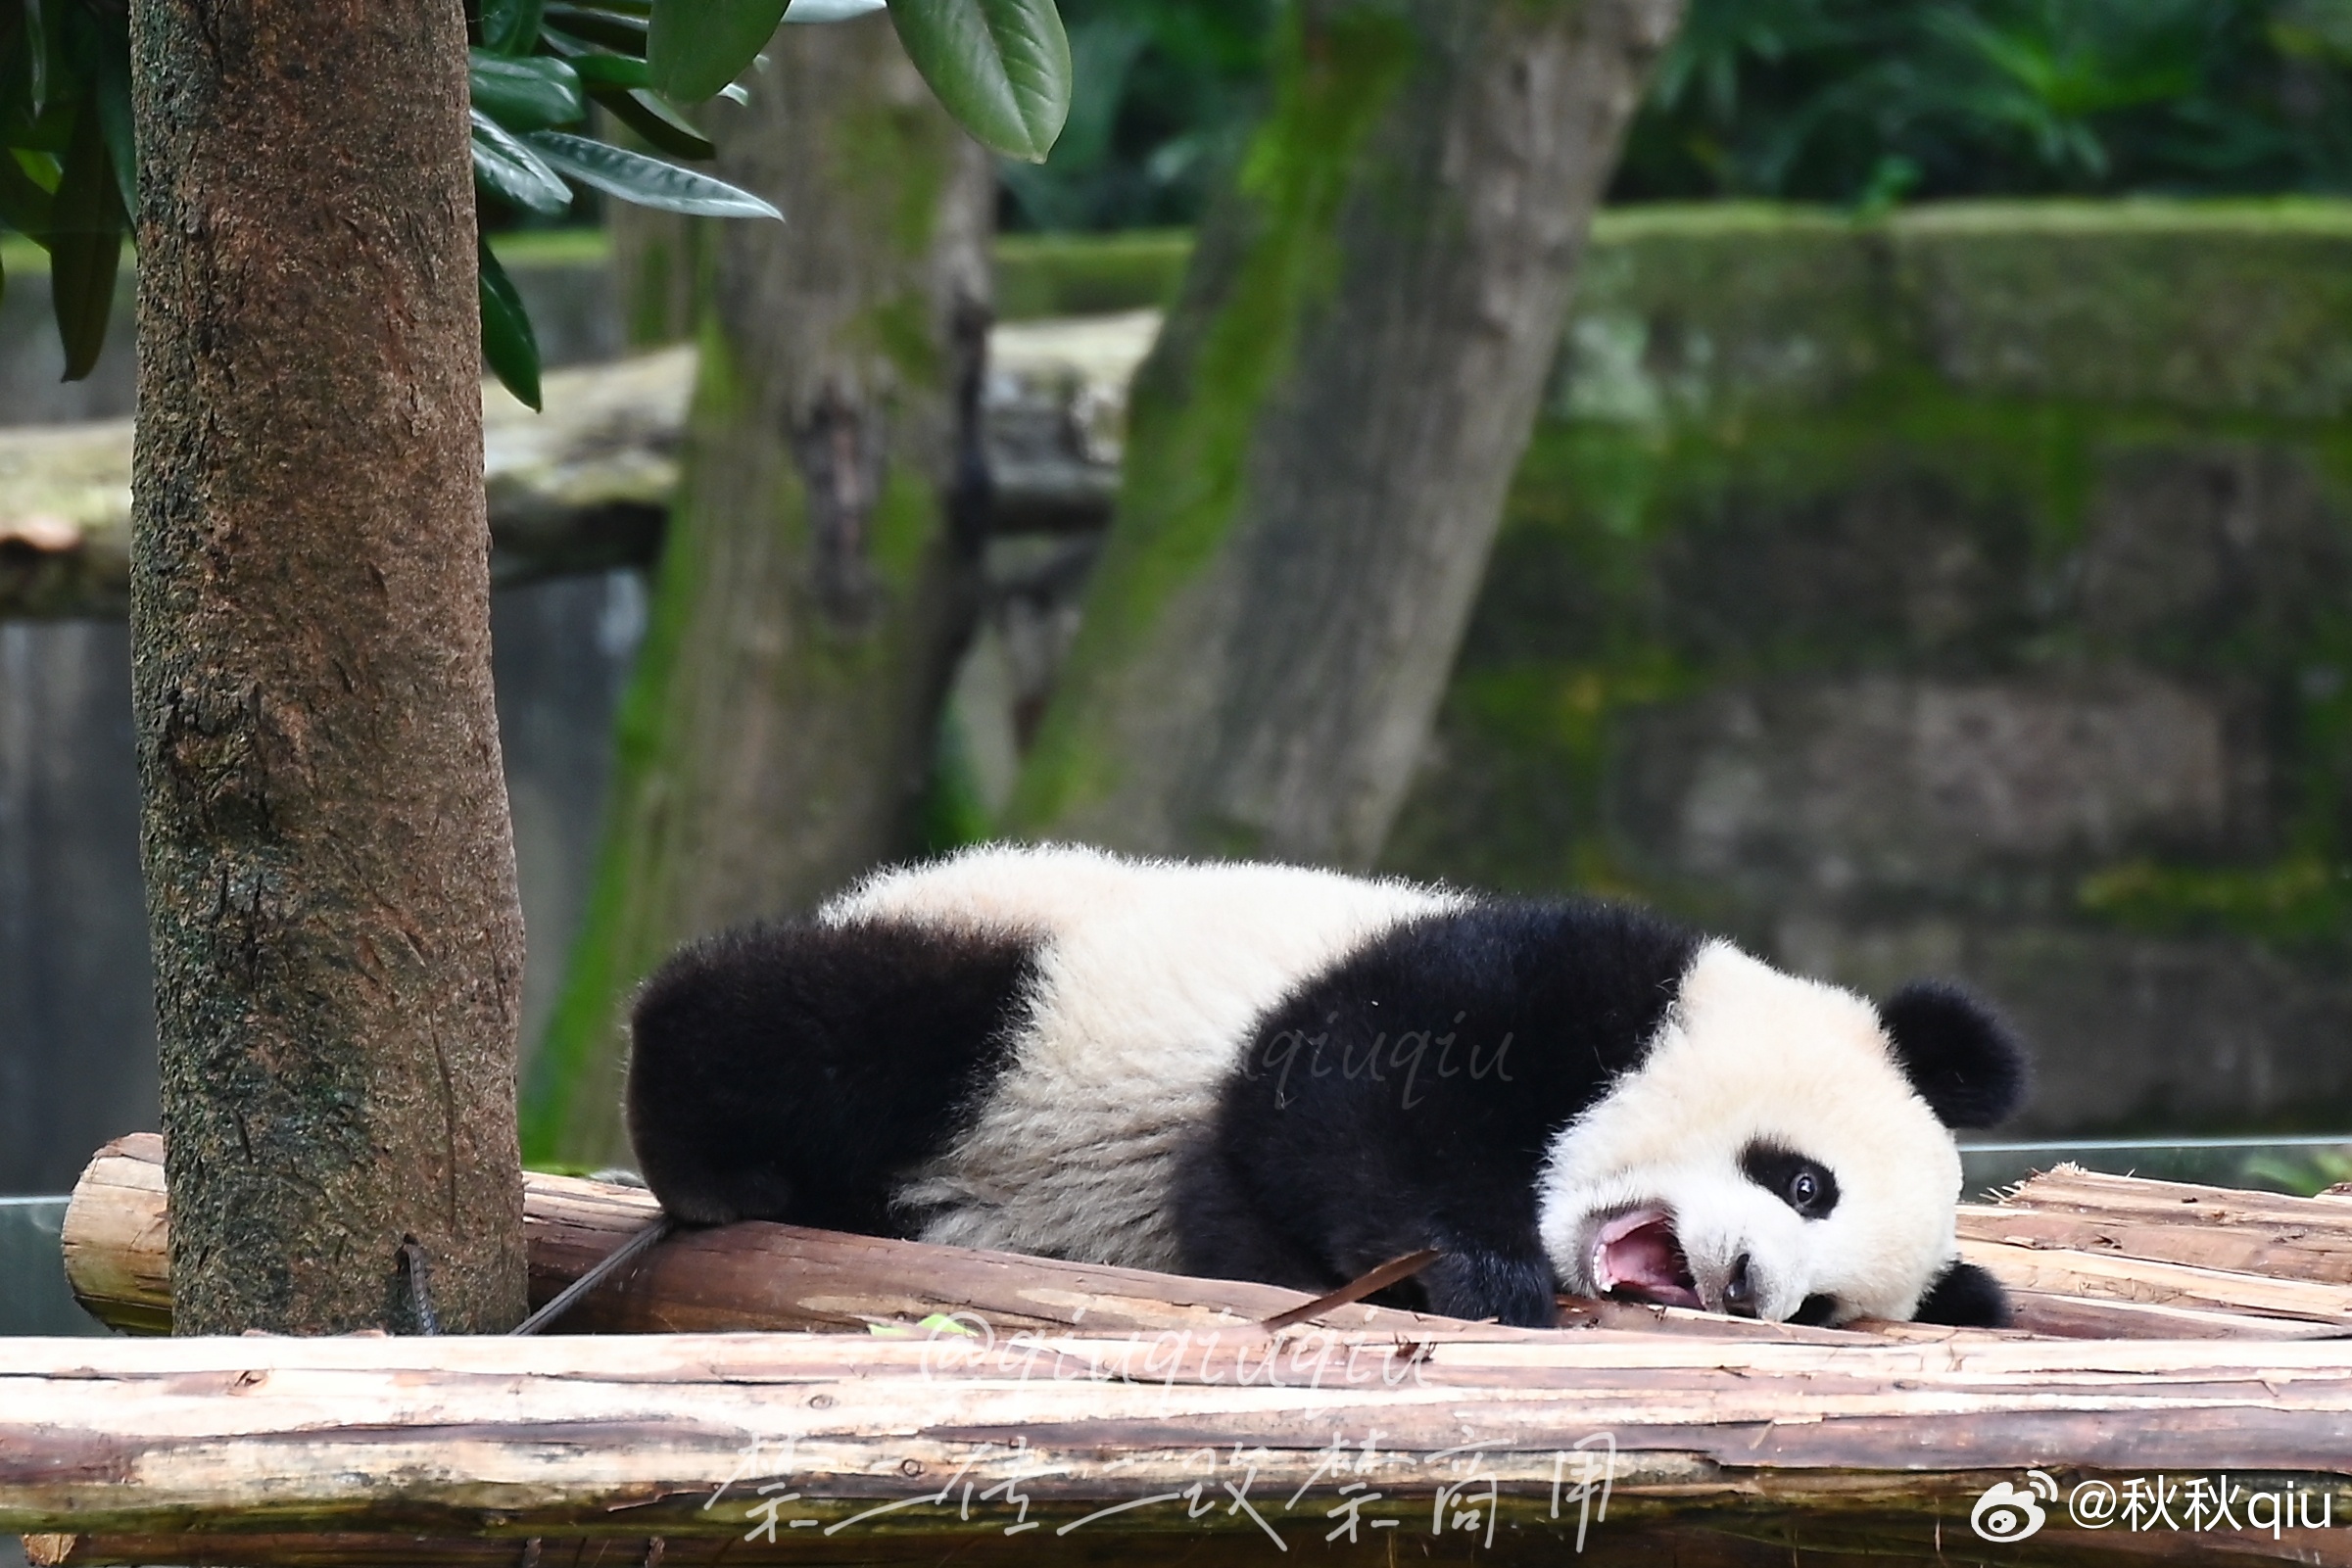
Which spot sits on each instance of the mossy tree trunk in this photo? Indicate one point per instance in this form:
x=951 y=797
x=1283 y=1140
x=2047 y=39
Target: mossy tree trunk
x=329 y=868
x=1320 y=444
x=822 y=566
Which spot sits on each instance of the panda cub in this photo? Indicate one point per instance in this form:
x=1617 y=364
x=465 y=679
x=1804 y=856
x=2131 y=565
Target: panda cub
x=1268 y=1073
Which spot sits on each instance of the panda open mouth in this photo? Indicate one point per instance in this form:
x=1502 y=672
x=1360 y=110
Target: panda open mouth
x=1637 y=1255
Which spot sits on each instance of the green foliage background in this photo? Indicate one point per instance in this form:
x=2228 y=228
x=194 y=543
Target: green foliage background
x=1861 y=103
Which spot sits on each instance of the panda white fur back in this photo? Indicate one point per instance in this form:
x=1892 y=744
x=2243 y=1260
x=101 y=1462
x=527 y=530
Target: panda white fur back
x=1148 y=978
x=1271 y=1073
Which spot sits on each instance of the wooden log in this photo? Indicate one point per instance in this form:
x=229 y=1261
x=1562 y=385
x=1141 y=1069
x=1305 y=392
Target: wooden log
x=2069 y=1187
x=2105 y=1276
x=1756 y=1539
x=586 y=485
x=2090 y=1251
x=765 y=1276
x=2238 y=1244
x=645 y=1435
x=2086 y=1317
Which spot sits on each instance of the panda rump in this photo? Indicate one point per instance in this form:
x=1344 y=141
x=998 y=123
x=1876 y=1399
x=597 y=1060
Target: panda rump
x=1290 y=1075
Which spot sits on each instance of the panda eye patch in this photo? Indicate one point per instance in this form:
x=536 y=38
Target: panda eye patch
x=1804 y=1185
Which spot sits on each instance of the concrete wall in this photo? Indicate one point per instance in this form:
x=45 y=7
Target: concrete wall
x=77 y=1019
x=1969 y=595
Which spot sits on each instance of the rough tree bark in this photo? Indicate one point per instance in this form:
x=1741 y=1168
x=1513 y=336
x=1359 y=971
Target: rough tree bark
x=822 y=565
x=1318 y=447
x=329 y=869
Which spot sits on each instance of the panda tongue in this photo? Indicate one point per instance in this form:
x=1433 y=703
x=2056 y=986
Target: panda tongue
x=1637 y=1254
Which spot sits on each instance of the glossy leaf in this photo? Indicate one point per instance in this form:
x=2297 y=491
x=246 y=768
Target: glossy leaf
x=85 y=246
x=113 y=98
x=624 y=33
x=657 y=121
x=611 y=70
x=36 y=55
x=511 y=26
x=831 y=10
x=24 y=206
x=521 y=95
x=508 y=346
x=1001 y=67
x=646 y=182
x=699 y=46
x=506 y=167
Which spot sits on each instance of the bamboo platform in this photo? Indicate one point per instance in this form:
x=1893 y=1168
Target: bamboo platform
x=2178 y=1347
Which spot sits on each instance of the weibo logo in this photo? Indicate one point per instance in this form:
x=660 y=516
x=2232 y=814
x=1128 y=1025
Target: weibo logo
x=2009 y=1512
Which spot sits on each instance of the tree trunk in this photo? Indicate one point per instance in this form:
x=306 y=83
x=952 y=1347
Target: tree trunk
x=329 y=869
x=1320 y=444
x=821 y=570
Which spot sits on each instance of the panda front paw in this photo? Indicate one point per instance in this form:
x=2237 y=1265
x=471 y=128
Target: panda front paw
x=1478 y=1284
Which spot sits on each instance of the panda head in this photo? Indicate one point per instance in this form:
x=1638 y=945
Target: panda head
x=1784 y=1150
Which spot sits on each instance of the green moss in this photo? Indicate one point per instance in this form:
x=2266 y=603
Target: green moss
x=900 y=329
x=905 y=522
x=604 y=959
x=896 y=156
x=1193 y=412
x=1708 y=541
x=2295 y=902
x=552 y=247
x=1088 y=274
x=954 y=813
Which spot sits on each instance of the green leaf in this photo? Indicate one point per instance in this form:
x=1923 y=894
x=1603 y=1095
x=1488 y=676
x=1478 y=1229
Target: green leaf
x=85 y=246
x=24 y=206
x=1001 y=67
x=646 y=182
x=831 y=10
x=525 y=94
x=511 y=26
x=611 y=70
x=657 y=121
x=113 y=96
x=508 y=346
x=699 y=46
x=36 y=55
x=626 y=35
x=506 y=167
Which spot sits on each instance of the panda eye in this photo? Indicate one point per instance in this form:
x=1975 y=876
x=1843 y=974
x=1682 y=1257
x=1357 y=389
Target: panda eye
x=1804 y=1185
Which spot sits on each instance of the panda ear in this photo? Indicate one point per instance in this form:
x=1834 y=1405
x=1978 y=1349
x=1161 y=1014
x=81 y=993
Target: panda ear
x=1957 y=1053
x=1964 y=1296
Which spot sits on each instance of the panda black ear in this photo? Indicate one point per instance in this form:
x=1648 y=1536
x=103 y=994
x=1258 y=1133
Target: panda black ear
x=1964 y=1296
x=1957 y=1053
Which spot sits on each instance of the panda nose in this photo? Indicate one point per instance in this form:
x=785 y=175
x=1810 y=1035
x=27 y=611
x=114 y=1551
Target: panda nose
x=1739 y=1291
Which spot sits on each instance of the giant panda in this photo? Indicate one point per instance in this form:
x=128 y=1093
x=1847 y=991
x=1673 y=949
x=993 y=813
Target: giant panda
x=1275 y=1073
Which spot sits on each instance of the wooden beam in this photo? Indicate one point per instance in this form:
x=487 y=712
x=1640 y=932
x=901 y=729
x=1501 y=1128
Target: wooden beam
x=633 y=1438
x=586 y=485
x=764 y=1276
x=760 y=1276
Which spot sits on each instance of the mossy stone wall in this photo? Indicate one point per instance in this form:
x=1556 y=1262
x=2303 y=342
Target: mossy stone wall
x=1968 y=592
